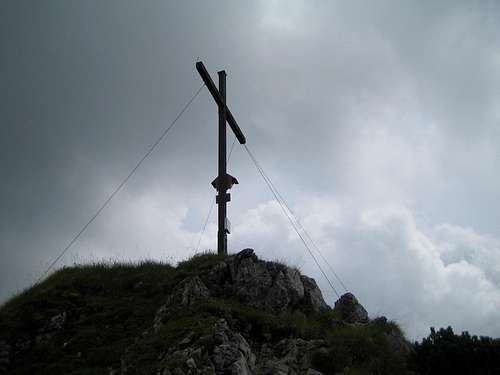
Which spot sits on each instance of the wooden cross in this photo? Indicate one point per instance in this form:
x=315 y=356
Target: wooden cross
x=224 y=181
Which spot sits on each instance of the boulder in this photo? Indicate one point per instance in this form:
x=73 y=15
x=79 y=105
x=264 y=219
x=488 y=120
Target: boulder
x=349 y=310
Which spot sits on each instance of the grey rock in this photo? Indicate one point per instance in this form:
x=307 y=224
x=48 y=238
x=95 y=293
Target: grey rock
x=54 y=325
x=223 y=351
x=270 y=286
x=295 y=284
x=278 y=297
x=218 y=275
x=224 y=356
x=186 y=340
x=186 y=293
x=275 y=367
x=197 y=354
x=312 y=294
x=246 y=253
x=189 y=291
x=250 y=278
x=178 y=371
x=232 y=352
x=240 y=367
x=159 y=318
x=57 y=322
x=191 y=363
x=297 y=353
x=288 y=356
x=313 y=372
x=349 y=310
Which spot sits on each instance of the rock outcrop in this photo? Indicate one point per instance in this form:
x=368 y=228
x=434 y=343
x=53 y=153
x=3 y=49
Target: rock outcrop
x=188 y=292
x=291 y=356
x=349 y=310
x=258 y=284
x=265 y=285
x=224 y=351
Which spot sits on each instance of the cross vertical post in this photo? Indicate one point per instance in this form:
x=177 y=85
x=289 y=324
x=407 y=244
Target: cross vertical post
x=222 y=189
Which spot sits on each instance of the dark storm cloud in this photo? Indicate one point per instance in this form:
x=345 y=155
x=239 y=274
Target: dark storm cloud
x=86 y=88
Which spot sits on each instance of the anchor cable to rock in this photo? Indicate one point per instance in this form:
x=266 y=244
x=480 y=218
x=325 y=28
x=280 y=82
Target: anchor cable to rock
x=291 y=218
x=306 y=233
x=121 y=184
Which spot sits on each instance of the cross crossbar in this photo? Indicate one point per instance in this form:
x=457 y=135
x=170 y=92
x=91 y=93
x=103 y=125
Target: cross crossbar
x=218 y=99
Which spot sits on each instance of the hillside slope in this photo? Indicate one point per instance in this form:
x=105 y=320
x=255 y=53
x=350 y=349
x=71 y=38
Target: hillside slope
x=208 y=315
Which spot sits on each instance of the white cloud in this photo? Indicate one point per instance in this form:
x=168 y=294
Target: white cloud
x=417 y=277
x=282 y=16
x=148 y=225
x=457 y=244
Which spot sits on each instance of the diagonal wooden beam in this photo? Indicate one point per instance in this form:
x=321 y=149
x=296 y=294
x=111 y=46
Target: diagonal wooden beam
x=218 y=99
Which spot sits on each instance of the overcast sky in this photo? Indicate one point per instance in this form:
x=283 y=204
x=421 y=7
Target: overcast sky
x=378 y=121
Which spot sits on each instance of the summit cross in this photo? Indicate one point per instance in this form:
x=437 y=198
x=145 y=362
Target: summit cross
x=224 y=181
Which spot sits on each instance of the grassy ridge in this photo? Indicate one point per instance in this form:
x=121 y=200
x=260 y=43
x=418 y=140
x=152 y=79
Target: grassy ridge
x=106 y=306
x=109 y=307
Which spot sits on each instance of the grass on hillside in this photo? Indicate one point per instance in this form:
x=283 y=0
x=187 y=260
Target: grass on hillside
x=110 y=306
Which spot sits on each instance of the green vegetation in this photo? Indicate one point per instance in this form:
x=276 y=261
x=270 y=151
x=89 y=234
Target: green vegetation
x=364 y=350
x=110 y=309
x=444 y=352
x=107 y=306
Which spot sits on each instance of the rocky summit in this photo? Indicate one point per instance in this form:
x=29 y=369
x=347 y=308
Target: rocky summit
x=209 y=315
